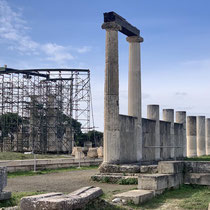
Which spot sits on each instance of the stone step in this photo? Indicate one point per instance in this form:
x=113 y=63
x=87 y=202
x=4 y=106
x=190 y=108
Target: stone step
x=149 y=169
x=159 y=182
x=170 y=167
x=113 y=178
x=135 y=196
x=197 y=178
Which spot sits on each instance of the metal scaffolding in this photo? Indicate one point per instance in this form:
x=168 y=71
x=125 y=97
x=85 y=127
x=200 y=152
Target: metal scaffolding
x=37 y=107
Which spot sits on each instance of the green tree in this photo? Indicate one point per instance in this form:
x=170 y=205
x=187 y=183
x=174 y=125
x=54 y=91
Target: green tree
x=9 y=124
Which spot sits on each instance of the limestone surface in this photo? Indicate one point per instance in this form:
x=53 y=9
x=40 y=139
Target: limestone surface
x=136 y=196
x=100 y=152
x=113 y=168
x=170 y=167
x=92 y=153
x=58 y=201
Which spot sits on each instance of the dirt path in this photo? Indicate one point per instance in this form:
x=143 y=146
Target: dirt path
x=60 y=182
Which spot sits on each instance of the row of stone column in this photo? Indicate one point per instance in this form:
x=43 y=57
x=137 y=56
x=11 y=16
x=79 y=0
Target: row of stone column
x=153 y=113
x=198 y=136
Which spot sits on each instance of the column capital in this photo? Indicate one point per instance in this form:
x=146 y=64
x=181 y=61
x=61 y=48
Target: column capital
x=111 y=26
x=131 y=39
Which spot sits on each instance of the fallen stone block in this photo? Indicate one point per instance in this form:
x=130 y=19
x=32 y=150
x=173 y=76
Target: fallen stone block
x=136 y=196
x=197 y=178
x=58 y=201
x=79 y=149
x=92 y=153
x=170 y=167
x=29 y=201
x=79 y=155
x=5 y=195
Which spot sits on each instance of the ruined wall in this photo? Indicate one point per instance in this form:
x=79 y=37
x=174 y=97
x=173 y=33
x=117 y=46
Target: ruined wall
x=178 y=138
x=148 y=134
x=165 y=140
x=127 y=134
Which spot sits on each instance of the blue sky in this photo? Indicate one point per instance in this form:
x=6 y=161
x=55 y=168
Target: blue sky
x=175 y=54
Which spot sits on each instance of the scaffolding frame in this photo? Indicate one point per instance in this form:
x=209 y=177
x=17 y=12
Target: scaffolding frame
x=38 y=105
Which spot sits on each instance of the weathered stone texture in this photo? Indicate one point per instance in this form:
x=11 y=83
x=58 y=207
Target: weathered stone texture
x=3 y=178
x=92 y=153
x=113 y=168
x=170 y=167
x=197 y=178
x=100 y=152
x=136 y=196
x=197 y=167
x=59 y=201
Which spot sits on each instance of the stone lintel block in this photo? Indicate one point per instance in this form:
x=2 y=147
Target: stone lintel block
x=126 y=28
x=5 y=195
x=30 y=201
x=59 y=201
x=197 y=166
x=136 y=196
x=197 y=178
x=153 y=182
x=170 y=167
x=3 y=178
x=114 y=168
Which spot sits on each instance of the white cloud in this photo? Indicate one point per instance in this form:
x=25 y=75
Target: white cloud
x=84 y=49
x=13 y=30
x=56 y=52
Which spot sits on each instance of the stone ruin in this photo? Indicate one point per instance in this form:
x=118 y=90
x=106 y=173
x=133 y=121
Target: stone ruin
x=132 y=143
x=3 y=183
x=131 y=139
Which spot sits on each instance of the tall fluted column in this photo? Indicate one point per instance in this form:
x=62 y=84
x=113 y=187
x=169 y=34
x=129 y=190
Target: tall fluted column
x=168 y=115
x=111 y=95
x=134 y=89
x=191 y=136
x=153 y=113
x=181 y=118
x=208 y=136
x=201 y=149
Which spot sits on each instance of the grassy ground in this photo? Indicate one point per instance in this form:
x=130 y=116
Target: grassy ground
x=47 y=171
x=16 y=197
x=202 y=158
x=21 y=156
x=187 y=197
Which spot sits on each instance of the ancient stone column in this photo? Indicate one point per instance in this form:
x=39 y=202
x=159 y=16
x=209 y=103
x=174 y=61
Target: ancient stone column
x=168 y=115
x=153 y=114
x=111 y=95
x=208 y=136
x=181 y=118
x=201 y=147
x=191 y=136
x=134 y=89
